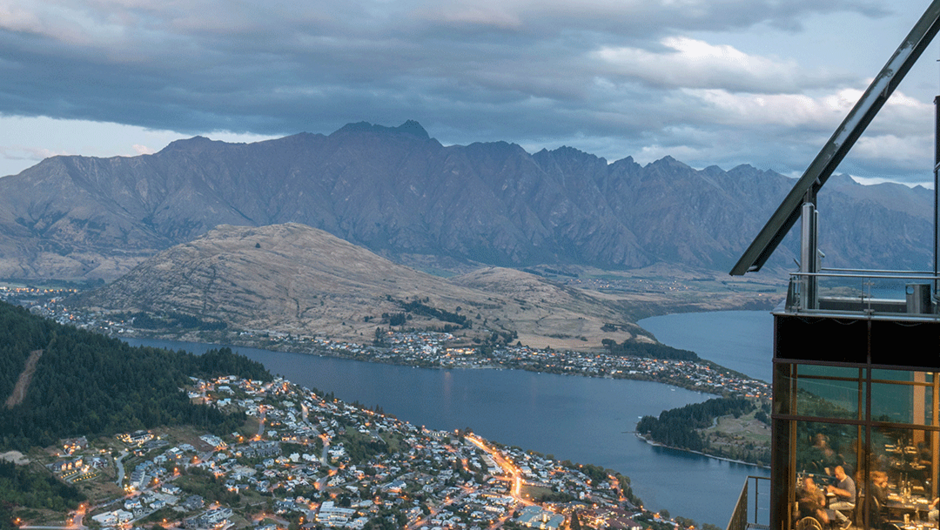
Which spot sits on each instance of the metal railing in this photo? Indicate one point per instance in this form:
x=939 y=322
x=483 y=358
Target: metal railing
x=760 y=515
x=867 y=292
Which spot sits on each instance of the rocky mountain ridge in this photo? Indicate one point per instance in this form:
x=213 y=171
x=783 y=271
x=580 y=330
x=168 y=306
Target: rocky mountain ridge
x=400 y=193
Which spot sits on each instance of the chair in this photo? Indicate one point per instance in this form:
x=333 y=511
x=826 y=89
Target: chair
x=876 y=514
x=808 y=523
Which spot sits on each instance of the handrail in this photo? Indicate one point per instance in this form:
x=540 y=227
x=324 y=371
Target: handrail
x=880 y=276
x=739 y=517
x=879 y=271
x=917 y=300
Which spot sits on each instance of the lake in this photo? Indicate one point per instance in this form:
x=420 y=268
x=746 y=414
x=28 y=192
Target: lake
x=586 y=420
x=739 y=340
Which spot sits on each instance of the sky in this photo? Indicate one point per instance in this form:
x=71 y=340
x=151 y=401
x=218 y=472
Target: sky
x=708 y=82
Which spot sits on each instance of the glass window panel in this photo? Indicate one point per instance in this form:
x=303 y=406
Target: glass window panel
x=903 y=460
x=823 y=391
x=826 y=454
x=784 y=386
x=894 y=403
x=902 y=397
x=892 y=375
x=828 y=371
x=820 y=447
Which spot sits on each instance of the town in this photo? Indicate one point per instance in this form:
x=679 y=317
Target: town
x=433 y=349
x=305 y=461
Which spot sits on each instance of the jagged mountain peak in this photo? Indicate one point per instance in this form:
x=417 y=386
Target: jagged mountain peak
x=713 y=170
x=410 y=127
x=189 y=144
x=393 y=192
x=570 y=155
x=627 y=164
x=669 y=162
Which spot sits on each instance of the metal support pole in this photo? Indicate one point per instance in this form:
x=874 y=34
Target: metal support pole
x=809 y=257
x=936 y=201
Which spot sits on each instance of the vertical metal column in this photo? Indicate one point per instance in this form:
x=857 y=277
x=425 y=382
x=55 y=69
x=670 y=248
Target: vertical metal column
x=782 y=445
x=935 y=436
x=809 y=257
x=936 y=200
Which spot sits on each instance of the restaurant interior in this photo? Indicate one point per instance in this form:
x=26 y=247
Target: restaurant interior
x=838 y=413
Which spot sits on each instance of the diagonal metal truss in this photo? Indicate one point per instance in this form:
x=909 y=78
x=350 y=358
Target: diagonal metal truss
x=841 y=141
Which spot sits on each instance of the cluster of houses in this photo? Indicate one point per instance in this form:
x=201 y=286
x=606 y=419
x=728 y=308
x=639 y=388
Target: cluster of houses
x=72 y=465
x=139 y=505
x=327 y=464
x=696 y=375
x=437 y=349
x=441 y=349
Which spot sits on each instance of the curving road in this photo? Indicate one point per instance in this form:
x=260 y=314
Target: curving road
x=120 y=468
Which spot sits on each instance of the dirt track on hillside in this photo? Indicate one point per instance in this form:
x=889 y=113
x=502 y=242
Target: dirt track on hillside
x=19 y=391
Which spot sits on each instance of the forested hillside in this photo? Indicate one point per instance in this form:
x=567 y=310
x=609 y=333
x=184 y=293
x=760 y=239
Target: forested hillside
x=88 y=384
x=683 y=427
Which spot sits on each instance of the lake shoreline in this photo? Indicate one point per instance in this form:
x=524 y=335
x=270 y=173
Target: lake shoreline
x=700 y=453
x=550 y=365
x=582 y=419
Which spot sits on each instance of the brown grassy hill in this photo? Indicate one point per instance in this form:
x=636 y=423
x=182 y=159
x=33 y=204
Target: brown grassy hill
x=292 y=278
x=300 y=280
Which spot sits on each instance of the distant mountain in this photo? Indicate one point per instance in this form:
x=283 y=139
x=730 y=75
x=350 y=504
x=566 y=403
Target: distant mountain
x=400 y=193
x=295 y=279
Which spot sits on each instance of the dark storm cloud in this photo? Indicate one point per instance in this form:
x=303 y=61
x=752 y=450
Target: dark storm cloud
x=619 y=74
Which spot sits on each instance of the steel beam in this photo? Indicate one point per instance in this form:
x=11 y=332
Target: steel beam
x=841 y=141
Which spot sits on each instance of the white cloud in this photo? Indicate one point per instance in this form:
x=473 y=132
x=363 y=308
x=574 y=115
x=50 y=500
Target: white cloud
x=901 y=115
x=14 y=18
x=912 y=152
x=692 y=63
x=479 y=15
x=649 y=17
x=24 y=142
x=706 y=81
x=878 y=180
x=756 y=110
x=143 y=149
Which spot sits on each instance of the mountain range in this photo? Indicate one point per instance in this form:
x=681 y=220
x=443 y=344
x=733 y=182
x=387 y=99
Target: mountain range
x=402 y=194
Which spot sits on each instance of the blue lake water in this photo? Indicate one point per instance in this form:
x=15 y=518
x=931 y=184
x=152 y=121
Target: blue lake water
x=739 y=340
x=581 y=419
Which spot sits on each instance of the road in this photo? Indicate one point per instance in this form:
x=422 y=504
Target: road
x=515 y=475
x=261 y=420
x=76 y=524
x=324 y=460
x=120 y=468
x=505 y=465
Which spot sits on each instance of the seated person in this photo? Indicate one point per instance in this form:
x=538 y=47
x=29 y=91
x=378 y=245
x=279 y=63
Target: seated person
x=821 y=456
x=879 y=486
x=812 y=501
x=844 y=491
x=879 y=493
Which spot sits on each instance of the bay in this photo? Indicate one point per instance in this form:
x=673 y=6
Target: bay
x=739 y=340
x=585 y=420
